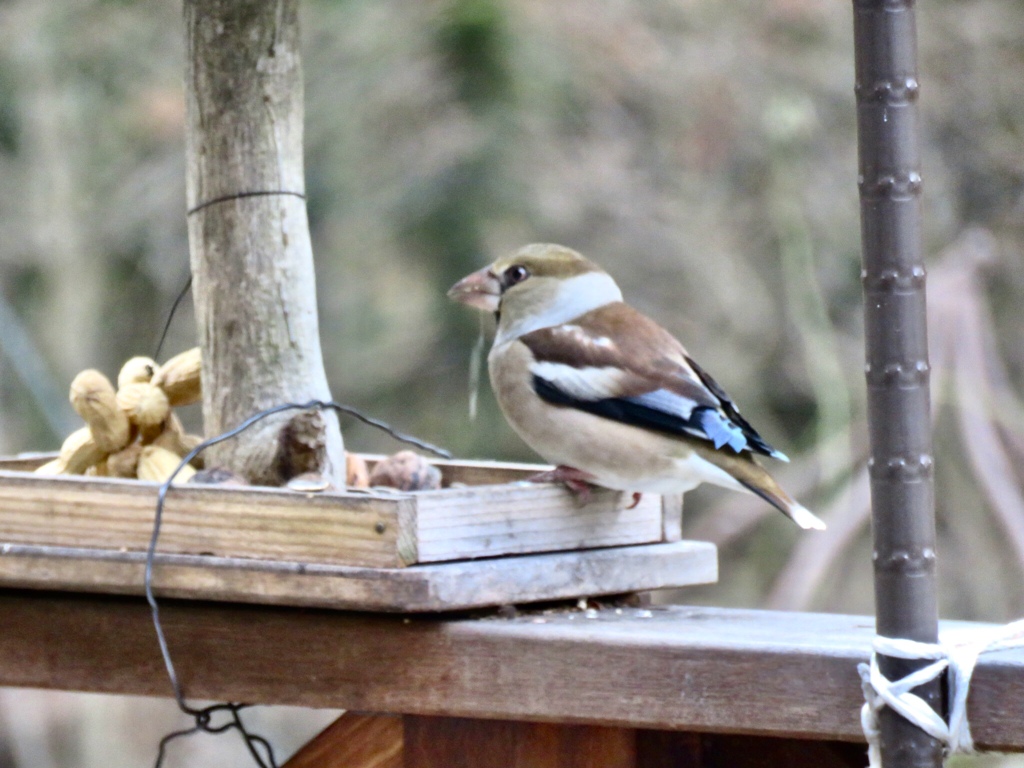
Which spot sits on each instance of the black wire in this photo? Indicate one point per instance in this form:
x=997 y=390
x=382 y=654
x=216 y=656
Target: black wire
x=203 y=725
x=196 y=209
x=162 y=751
x=203 y=716
x=170 y=316
x=241 y=195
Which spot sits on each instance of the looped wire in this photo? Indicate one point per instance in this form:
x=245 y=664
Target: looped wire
x=259 y=748
x=956 y=659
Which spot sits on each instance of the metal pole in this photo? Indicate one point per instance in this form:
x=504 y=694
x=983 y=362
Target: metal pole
x=897 y=371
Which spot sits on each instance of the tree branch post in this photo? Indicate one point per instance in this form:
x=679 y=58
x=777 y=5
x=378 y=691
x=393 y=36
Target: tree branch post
x=252 y=261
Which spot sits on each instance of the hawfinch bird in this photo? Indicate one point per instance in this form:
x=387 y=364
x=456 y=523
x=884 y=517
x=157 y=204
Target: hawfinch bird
x=605 y=393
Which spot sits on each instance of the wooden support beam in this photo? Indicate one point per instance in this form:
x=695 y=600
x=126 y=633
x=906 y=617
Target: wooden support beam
x=354 y=740
x=725 y=751
x=757 y=673
x=433 y=742
x=414 y=741
x=452 y=742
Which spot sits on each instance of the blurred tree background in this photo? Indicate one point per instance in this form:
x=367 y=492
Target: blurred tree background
x=704 y=153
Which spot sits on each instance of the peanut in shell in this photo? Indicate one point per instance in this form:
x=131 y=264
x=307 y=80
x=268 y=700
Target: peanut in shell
x=52 y=467
x=157 y=463
x=138 y=370
x=125 y=462
x=145 y=404
x=406 y=471
x=179 y=378
x=92 y=396
x=357 y=474
x=79 y=452
x=175 y=439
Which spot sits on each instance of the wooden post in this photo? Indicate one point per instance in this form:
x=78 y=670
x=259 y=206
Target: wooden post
x=897 y=369
x=252 y=263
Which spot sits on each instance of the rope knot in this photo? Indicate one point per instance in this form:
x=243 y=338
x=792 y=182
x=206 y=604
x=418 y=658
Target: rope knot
x=956 y=660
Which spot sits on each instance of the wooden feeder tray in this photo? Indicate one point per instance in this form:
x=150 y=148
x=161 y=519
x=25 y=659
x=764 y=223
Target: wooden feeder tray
x=485 y=539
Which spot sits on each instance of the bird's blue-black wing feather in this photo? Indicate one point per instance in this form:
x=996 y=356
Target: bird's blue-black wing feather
x=665 y=411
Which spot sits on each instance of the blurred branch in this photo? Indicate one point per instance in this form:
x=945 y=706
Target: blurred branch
x=847 y=516
x=806 y=308
x=30 y=367
x=986 y=452
x=814 y=556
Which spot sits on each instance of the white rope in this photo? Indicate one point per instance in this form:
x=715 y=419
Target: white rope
x=956 y=659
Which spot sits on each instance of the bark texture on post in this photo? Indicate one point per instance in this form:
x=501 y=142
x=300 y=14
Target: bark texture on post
x=252 y=262
x=903 y=518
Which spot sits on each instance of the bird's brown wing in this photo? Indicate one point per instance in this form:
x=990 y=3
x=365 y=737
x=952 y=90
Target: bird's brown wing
x=619 y=364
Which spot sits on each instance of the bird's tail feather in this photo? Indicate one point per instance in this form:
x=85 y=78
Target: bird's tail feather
x=791 y=508
x=744 y=471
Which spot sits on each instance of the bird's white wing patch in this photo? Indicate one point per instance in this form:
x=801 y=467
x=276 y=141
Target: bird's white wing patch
x=590 y=383
x=666 y=402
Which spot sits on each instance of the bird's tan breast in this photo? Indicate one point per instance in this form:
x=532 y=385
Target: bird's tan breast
x=616 y=453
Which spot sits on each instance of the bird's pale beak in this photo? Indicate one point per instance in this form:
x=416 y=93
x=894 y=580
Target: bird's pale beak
x=480 y=289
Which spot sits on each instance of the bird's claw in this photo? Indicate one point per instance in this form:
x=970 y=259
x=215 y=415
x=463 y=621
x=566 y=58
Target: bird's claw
x=577 y=481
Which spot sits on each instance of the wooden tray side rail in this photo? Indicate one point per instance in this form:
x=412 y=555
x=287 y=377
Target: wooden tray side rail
x=485 y=539
x=485 y=511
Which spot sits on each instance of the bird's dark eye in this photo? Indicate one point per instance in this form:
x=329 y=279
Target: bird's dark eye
x=514 y=274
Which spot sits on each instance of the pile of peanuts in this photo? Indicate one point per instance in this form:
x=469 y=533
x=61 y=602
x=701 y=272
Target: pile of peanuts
x=132 y=431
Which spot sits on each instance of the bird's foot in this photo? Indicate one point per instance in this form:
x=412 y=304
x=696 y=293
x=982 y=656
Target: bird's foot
x=637 y=495
x=577 y=481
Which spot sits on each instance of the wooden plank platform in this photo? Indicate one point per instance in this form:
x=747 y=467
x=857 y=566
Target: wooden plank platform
x=437 y=587
x=380 y=528
x=683 y=668
x=464 y=546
